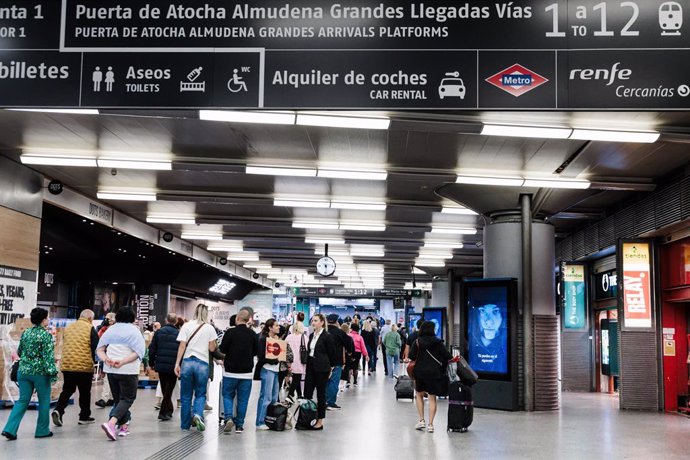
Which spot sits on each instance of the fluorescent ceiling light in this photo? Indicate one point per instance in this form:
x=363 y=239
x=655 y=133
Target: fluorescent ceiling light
x=70 y=111
x=417 y=271
x=435 y=255
x=350 y=174
x=643 y=137
x=458 y=210
x=526 y=131
x=280 y=171
x=315 y=240
x=557 y=183
x=48 y=160
x=225 y=245
x=128 y=196
x=222 y=287
x=274 y=118
x=248 y=256
x=454 y=230
x=170 y=220
x=487 y=180
x=202 y=236
x=301 y=203
x=362 y=206
x=430 y=263
x=258 y=265
x=363 y=227
x=342 y=122
x=442 y=244
x=371 y=253
x=332 y=251
x=316 y=225
x=155 y=165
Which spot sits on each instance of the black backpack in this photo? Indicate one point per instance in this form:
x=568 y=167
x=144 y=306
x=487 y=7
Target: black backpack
x=306 y=415
x=276 y=417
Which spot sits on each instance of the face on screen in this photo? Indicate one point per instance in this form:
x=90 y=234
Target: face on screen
x=490 y=320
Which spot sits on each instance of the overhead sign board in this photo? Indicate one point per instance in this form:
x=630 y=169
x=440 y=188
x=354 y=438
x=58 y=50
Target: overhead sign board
x=549 y=54
x=345 y=292
x=574 y=300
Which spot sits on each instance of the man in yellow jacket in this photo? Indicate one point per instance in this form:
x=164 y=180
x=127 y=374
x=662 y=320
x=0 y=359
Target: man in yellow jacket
x=79 y=346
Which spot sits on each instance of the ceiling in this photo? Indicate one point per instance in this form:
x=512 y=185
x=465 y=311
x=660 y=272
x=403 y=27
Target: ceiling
x=422 y=152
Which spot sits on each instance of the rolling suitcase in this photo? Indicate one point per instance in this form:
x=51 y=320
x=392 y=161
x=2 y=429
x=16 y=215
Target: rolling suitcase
x=460 y=407
x=404 y=387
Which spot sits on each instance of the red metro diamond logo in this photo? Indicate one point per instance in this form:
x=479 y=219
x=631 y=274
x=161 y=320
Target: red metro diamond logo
x=516 y=80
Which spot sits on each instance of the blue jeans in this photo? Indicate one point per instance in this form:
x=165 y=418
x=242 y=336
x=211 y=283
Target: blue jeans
x=27 y=384
x=268 y=395
x=333 y=386
x=193 y=380
x=393 y=361
x=240 y=388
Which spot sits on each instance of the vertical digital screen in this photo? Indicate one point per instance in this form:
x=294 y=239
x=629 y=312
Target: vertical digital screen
x=412 y=322
x=436 y=317
x=488 y=329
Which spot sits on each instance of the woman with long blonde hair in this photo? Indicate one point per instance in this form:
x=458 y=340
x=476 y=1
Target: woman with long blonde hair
x=369 y=337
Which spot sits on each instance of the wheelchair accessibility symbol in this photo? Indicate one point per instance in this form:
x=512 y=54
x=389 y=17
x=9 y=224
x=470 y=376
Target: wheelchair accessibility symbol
x=236 y=83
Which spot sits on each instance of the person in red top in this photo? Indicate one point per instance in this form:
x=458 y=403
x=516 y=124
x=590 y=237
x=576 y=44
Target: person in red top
x=360 y=350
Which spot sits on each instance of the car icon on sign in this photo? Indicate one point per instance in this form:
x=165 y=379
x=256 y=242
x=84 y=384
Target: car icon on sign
x=452 y=86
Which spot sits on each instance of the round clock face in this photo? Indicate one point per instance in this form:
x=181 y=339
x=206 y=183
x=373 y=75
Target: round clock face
x=325 y=266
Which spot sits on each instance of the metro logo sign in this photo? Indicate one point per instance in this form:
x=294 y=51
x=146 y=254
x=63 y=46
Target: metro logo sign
x=637 y=298
x=516 y=80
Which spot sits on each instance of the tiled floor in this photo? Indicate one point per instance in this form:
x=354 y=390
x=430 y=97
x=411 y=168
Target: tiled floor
x=373 y=425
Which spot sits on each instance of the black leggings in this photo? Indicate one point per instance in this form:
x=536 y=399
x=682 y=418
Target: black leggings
x=318 y=381
x=296 y=385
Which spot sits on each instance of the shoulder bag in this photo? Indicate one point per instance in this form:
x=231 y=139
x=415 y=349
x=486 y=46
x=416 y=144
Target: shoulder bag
x=303 y=352
x=411 y=365
x=14 y=373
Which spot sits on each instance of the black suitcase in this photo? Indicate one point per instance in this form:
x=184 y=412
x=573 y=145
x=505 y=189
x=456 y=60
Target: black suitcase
x=460 y=407
x=404 y=388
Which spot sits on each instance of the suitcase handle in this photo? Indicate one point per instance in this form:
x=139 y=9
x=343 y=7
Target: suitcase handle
x=461 y=403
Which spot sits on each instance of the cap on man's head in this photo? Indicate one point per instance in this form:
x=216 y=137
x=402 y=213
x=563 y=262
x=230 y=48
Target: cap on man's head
x=332 y=318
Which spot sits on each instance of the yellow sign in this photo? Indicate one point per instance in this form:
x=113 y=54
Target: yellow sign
x=573 y=273
x=669 y=348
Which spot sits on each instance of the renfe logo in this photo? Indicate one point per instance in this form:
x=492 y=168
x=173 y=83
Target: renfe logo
x=516 y=80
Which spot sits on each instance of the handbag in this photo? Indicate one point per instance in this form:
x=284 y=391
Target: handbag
x=303 y=352
x=14 y=373
x=411 y=365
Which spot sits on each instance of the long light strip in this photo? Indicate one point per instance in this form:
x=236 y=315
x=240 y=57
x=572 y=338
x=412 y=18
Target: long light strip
x=280 y=171
x=226 y=245
x=363 y=227
x=565 y=184
x=127 y=196
x=49 y=160
x=543 y=132
x=301 y=203
x=458 y=210
x=331 y=121
x=490 y=180
x=352 y=174
x=442 y=245
x=454 y=230
x=153 y=165
x=202 y=236
x=643 y=137
x=247 y=256
x=362 y=206
x=68 y=111
x=430 y=263
x=316 y=225
x=156 y=219
x=315 y=240
x=230 y=116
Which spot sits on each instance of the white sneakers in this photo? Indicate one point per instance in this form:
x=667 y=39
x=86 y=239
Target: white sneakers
x=262 y=428
x=421 y=425
x=430 y=429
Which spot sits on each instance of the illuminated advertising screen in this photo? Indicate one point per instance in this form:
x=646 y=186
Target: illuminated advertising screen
x=435 y=315
x=573 y=296
x=637 y=285
x=412 y=321
x=487 y=329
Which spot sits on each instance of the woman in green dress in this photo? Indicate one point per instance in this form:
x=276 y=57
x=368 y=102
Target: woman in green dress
x=37 y=371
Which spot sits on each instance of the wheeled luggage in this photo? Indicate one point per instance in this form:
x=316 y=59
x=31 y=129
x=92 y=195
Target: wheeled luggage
x=460 y=407
x=404 y=388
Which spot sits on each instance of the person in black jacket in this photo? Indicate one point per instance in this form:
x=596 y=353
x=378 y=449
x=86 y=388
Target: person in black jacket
x=322 y=359
x=431 y=357
x=344 y=346
x=162 y=358
x=239 y=345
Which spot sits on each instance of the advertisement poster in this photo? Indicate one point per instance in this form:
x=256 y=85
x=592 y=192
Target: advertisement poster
x=436 y=317
x=573 y=296
x=17 y=293
x=276 y=349
x=488 y=329
x=637 y=300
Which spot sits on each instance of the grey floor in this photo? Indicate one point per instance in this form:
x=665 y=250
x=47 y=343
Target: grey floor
x=373 y=425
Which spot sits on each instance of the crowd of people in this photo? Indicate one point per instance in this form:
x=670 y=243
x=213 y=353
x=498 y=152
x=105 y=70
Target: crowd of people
x=324 y=358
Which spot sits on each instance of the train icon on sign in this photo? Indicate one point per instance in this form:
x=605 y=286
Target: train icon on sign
x=670 y=18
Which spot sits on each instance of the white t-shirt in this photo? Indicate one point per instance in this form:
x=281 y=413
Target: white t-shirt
x=315 y=339
x=118 y=353
x=198 y=347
